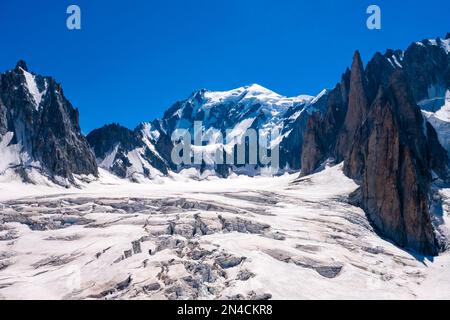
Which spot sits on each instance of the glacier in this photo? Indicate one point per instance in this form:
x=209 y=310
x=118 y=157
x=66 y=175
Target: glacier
x=178 y=238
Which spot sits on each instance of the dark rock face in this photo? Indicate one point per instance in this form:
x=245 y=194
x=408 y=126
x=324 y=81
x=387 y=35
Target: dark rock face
x=314 y=147
x=427 y=69
x=391 y=157
x=386 y=144
x=3 y=120
x=291 y=146
x=163 y=143
x=109 y=137
x=117 y=142
x=321 y=133
x=358 y=107
x=103 y=140
x=45 y=126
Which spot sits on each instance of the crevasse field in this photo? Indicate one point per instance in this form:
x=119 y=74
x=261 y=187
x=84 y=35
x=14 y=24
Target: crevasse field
x=184 y=238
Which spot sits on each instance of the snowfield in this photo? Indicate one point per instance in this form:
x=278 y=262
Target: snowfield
x=178 y=238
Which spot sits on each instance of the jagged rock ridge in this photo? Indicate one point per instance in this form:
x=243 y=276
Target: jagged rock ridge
x=128 y=154
x=250 y=107
x=39 y=129
x=385 y=142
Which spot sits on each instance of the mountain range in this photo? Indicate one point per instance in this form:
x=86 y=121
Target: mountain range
x=388 y=121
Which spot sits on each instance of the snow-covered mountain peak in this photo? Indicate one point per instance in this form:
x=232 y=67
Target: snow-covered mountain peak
x=257 y=88
x=443 y=43
x=253 y=92
x=227 y=109
x=235 y=95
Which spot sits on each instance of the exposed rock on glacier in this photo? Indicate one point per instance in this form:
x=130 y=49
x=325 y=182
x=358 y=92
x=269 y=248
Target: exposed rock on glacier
x=40 y=130
x=392 y=158
x=386 y=143
x=126 y=153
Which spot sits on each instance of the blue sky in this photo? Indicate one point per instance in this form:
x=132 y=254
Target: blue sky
x=133 y=59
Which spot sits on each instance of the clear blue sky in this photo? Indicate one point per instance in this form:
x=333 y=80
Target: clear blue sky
x=133 y=59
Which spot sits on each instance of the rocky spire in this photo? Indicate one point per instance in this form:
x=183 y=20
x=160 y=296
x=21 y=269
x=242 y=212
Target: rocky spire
x=390 y=154
x=386 y=146
x=313 y=145
x=358 y=106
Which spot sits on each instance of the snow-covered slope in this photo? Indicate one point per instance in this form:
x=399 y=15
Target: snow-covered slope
x=252 y=107
x=128 y=154
x=225 y=117
x=440 y=120
x=240 y=104
x=33 y=89
x=262 y=238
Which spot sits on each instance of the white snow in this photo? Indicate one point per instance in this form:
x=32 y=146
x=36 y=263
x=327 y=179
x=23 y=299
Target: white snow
x=440 y=120
x=9 y=153
x=444 y=112
x=271 y=102
x=243 y=106
x=398 y=64
x=319 y=96
x=238 y=102
x=108 y=161
x=239 y=130
x=444 y=44
x=14 y=155
x=138 y=164
x=315 y=227
x=33 y=89
x=149 y=132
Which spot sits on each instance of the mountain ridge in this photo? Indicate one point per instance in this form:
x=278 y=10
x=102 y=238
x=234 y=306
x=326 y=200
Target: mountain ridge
x=386 y=121
x=386 y=143
x=45 y=137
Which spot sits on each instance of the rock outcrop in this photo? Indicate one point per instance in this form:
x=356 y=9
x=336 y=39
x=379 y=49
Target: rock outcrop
x=391 y=157
x=320 y=137
x=358 y=107
x=126 y=153
x=427 y=68
x=386 y=144
x=43 y=128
